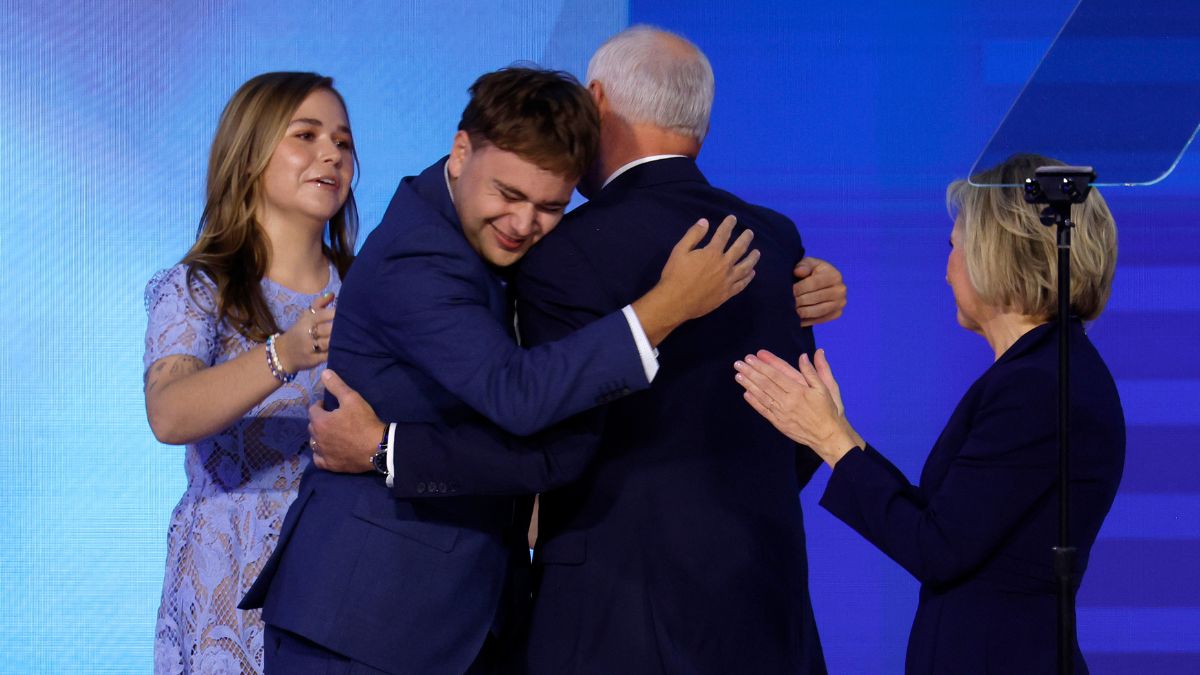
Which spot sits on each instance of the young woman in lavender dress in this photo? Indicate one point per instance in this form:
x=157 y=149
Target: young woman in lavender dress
x=238 y=333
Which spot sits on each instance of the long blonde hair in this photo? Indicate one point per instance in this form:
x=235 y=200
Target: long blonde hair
x=231 y=249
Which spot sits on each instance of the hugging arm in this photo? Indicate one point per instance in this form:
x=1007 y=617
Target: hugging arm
x=451 y=330
x=563 y=329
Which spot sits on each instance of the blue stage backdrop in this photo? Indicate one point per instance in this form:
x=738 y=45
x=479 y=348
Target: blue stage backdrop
x=849 y=117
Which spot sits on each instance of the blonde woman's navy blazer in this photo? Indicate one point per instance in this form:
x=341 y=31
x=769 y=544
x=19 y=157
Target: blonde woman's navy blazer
x=978 y=529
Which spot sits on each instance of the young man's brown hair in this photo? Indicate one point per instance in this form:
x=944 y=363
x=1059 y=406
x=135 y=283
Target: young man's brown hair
x=545 y=116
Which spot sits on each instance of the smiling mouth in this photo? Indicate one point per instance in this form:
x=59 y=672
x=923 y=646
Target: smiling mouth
x=506 y=242
x=326 y=182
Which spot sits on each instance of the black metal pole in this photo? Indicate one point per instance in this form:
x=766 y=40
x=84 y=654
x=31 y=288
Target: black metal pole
x=1060 y=187
x=1064 y=553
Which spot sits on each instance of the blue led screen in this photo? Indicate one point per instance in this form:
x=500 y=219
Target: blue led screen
x=849 y=117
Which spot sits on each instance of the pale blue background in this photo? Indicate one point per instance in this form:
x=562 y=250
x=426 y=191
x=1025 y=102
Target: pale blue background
x=850 y=117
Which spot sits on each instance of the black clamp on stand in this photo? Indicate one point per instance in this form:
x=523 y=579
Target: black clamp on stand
x=1059 y=187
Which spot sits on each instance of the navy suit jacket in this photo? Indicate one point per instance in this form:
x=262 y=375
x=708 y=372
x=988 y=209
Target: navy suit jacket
x=978 y=530
x=680 y=548
x=424 y=333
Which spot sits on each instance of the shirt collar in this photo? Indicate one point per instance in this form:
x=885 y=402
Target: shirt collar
x=446 y=175
x=636 y=162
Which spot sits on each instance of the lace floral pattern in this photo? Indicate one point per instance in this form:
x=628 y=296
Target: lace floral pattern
x=240 y=484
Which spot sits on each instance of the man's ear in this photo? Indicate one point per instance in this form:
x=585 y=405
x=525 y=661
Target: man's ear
x=596 y=89
x=460 y=152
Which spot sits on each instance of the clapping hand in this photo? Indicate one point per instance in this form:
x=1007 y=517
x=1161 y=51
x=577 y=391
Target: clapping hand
x=804 y=404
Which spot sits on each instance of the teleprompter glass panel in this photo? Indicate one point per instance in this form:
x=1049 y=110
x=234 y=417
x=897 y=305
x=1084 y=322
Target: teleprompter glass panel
x=1118 y=90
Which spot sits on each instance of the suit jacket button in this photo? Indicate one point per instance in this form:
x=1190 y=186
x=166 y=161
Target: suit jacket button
x=420 y=488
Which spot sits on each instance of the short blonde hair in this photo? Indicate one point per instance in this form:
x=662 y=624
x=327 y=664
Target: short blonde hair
x=1012 y=258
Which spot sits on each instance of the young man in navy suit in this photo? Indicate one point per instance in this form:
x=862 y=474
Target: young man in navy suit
x=680 y=547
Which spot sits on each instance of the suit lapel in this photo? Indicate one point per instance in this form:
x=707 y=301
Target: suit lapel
x=958 y=428
x=431 y=189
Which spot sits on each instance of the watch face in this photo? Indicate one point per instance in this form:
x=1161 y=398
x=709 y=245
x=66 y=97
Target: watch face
x=379 y=461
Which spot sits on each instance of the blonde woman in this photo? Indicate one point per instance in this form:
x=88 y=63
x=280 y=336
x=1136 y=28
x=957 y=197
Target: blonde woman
x=237 y=337
x=978 y=528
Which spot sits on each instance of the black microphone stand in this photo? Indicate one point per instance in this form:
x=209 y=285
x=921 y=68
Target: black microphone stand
x=1059 y=187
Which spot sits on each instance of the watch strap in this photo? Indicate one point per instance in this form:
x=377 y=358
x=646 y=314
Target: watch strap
x=379 y=459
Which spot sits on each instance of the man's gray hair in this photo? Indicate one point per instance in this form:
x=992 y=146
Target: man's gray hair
x=648 y=84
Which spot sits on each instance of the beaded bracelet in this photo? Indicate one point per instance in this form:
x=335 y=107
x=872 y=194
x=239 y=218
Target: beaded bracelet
x=274 y=363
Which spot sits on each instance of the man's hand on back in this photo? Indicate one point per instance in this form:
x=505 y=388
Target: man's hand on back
x=343 y=440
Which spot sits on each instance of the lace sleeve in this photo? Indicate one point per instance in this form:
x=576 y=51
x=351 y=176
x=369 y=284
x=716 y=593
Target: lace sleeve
x=179 y=322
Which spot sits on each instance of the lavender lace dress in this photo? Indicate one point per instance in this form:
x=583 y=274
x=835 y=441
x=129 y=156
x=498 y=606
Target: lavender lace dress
x=240 y=484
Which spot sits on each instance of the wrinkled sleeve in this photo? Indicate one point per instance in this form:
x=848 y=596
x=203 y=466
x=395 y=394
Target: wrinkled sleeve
x=449 y=330
x=482 y=459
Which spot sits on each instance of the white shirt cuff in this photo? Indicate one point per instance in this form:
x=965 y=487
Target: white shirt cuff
x=649 y=354
x=390 y=451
